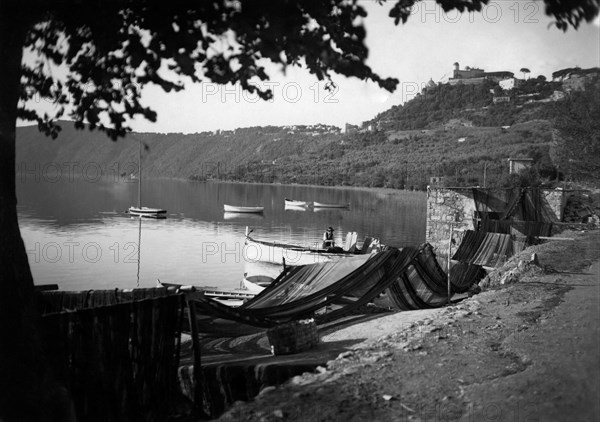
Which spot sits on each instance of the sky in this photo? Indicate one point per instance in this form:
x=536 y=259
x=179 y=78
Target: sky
x=506 y=36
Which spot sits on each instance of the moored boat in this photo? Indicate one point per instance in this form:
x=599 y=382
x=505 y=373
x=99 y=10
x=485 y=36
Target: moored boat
x=325 y=205
x=294 y=203
x=234 y=208
x=139 y=211
x=227 y=296
x=147 y=212
x=256 y=283
x=289 y=254
x=280 y=253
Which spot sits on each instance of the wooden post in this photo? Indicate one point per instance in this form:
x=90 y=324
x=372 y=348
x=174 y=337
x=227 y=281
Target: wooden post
x=140 y=176
x=449 y=255
x=139 y=251
x=197 y=372
x=484 y=173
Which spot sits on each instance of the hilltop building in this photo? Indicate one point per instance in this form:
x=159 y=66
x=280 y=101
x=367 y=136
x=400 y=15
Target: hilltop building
x=475 y=76
x=349 y=128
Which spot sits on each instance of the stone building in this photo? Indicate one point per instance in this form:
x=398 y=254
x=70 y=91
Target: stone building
x=475 y=76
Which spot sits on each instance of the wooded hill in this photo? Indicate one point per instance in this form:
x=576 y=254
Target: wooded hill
x=454 y=132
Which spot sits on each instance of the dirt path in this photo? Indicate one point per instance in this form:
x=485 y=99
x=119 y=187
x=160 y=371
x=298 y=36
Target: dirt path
x=528 y=351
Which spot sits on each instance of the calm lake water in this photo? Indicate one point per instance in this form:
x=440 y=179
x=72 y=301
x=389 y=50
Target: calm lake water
x=78 y=236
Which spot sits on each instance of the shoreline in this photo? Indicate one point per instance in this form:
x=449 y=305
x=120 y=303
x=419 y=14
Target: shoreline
x=461 y=362
x=379 y=190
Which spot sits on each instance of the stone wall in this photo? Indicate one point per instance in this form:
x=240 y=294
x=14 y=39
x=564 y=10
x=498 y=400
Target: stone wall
x=556 y=199
x=448 y=209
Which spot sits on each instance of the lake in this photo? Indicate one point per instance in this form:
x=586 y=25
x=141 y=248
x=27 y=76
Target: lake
x=77 y=234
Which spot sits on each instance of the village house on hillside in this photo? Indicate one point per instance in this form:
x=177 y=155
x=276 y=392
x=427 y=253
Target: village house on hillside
x=474 y=76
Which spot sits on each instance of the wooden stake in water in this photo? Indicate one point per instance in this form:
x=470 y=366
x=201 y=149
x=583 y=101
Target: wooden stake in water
x=449 y=255
x=140 y=176
x=139 y=250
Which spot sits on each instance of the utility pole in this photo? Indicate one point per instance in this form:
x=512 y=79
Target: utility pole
x=449 y=255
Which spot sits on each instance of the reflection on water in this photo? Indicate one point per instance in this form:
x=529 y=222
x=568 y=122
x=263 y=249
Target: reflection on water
x=242 y=215
x=78 y=236
x=296 y=208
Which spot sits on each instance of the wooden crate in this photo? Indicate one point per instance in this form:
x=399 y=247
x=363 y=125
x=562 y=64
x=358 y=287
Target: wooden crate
x=293 y=337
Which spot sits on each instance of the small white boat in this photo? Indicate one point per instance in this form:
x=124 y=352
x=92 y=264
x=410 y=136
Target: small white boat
x=139 y=211
x=256 y=283
x=325 y=205
x=147 y=212
x=233 y=208
x=293 y=203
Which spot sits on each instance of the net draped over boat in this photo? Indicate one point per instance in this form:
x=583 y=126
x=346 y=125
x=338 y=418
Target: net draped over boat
x=410 y=277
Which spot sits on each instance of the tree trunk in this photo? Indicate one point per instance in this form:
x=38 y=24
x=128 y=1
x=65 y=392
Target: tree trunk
x=25 y=385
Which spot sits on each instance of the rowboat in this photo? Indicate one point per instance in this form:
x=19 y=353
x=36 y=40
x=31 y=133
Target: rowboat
x=293 y=203
x=233 y=208
x=289 y=254
x=324 y=205
x=280 y=253
x=256 y=283
x=146 y=212
x=227 y=296
x=140 y=211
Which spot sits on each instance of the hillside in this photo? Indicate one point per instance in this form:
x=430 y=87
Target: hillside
x=473 y=103
x=454 y=133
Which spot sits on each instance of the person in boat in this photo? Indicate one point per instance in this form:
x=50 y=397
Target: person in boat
x=328 y=241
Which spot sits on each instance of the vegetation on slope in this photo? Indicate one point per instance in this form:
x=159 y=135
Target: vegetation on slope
x=455 y=134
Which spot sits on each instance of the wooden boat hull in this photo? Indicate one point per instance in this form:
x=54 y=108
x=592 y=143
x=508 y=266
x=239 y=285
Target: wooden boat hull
x=292 y=203
x=147 y=212
x=278 y=253
x=256 y=283
x=252 y=210
x=324 y=205
x=229 y=296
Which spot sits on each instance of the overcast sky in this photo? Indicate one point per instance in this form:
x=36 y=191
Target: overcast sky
x=507 y=35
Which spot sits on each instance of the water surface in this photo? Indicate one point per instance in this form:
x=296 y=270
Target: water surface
x=77 y=235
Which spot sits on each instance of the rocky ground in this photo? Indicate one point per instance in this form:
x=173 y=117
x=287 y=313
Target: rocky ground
x=525 y=350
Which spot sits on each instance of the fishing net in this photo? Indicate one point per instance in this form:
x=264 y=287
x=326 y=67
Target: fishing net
x=523 y=204
x=410 y=277
x=507 y=221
